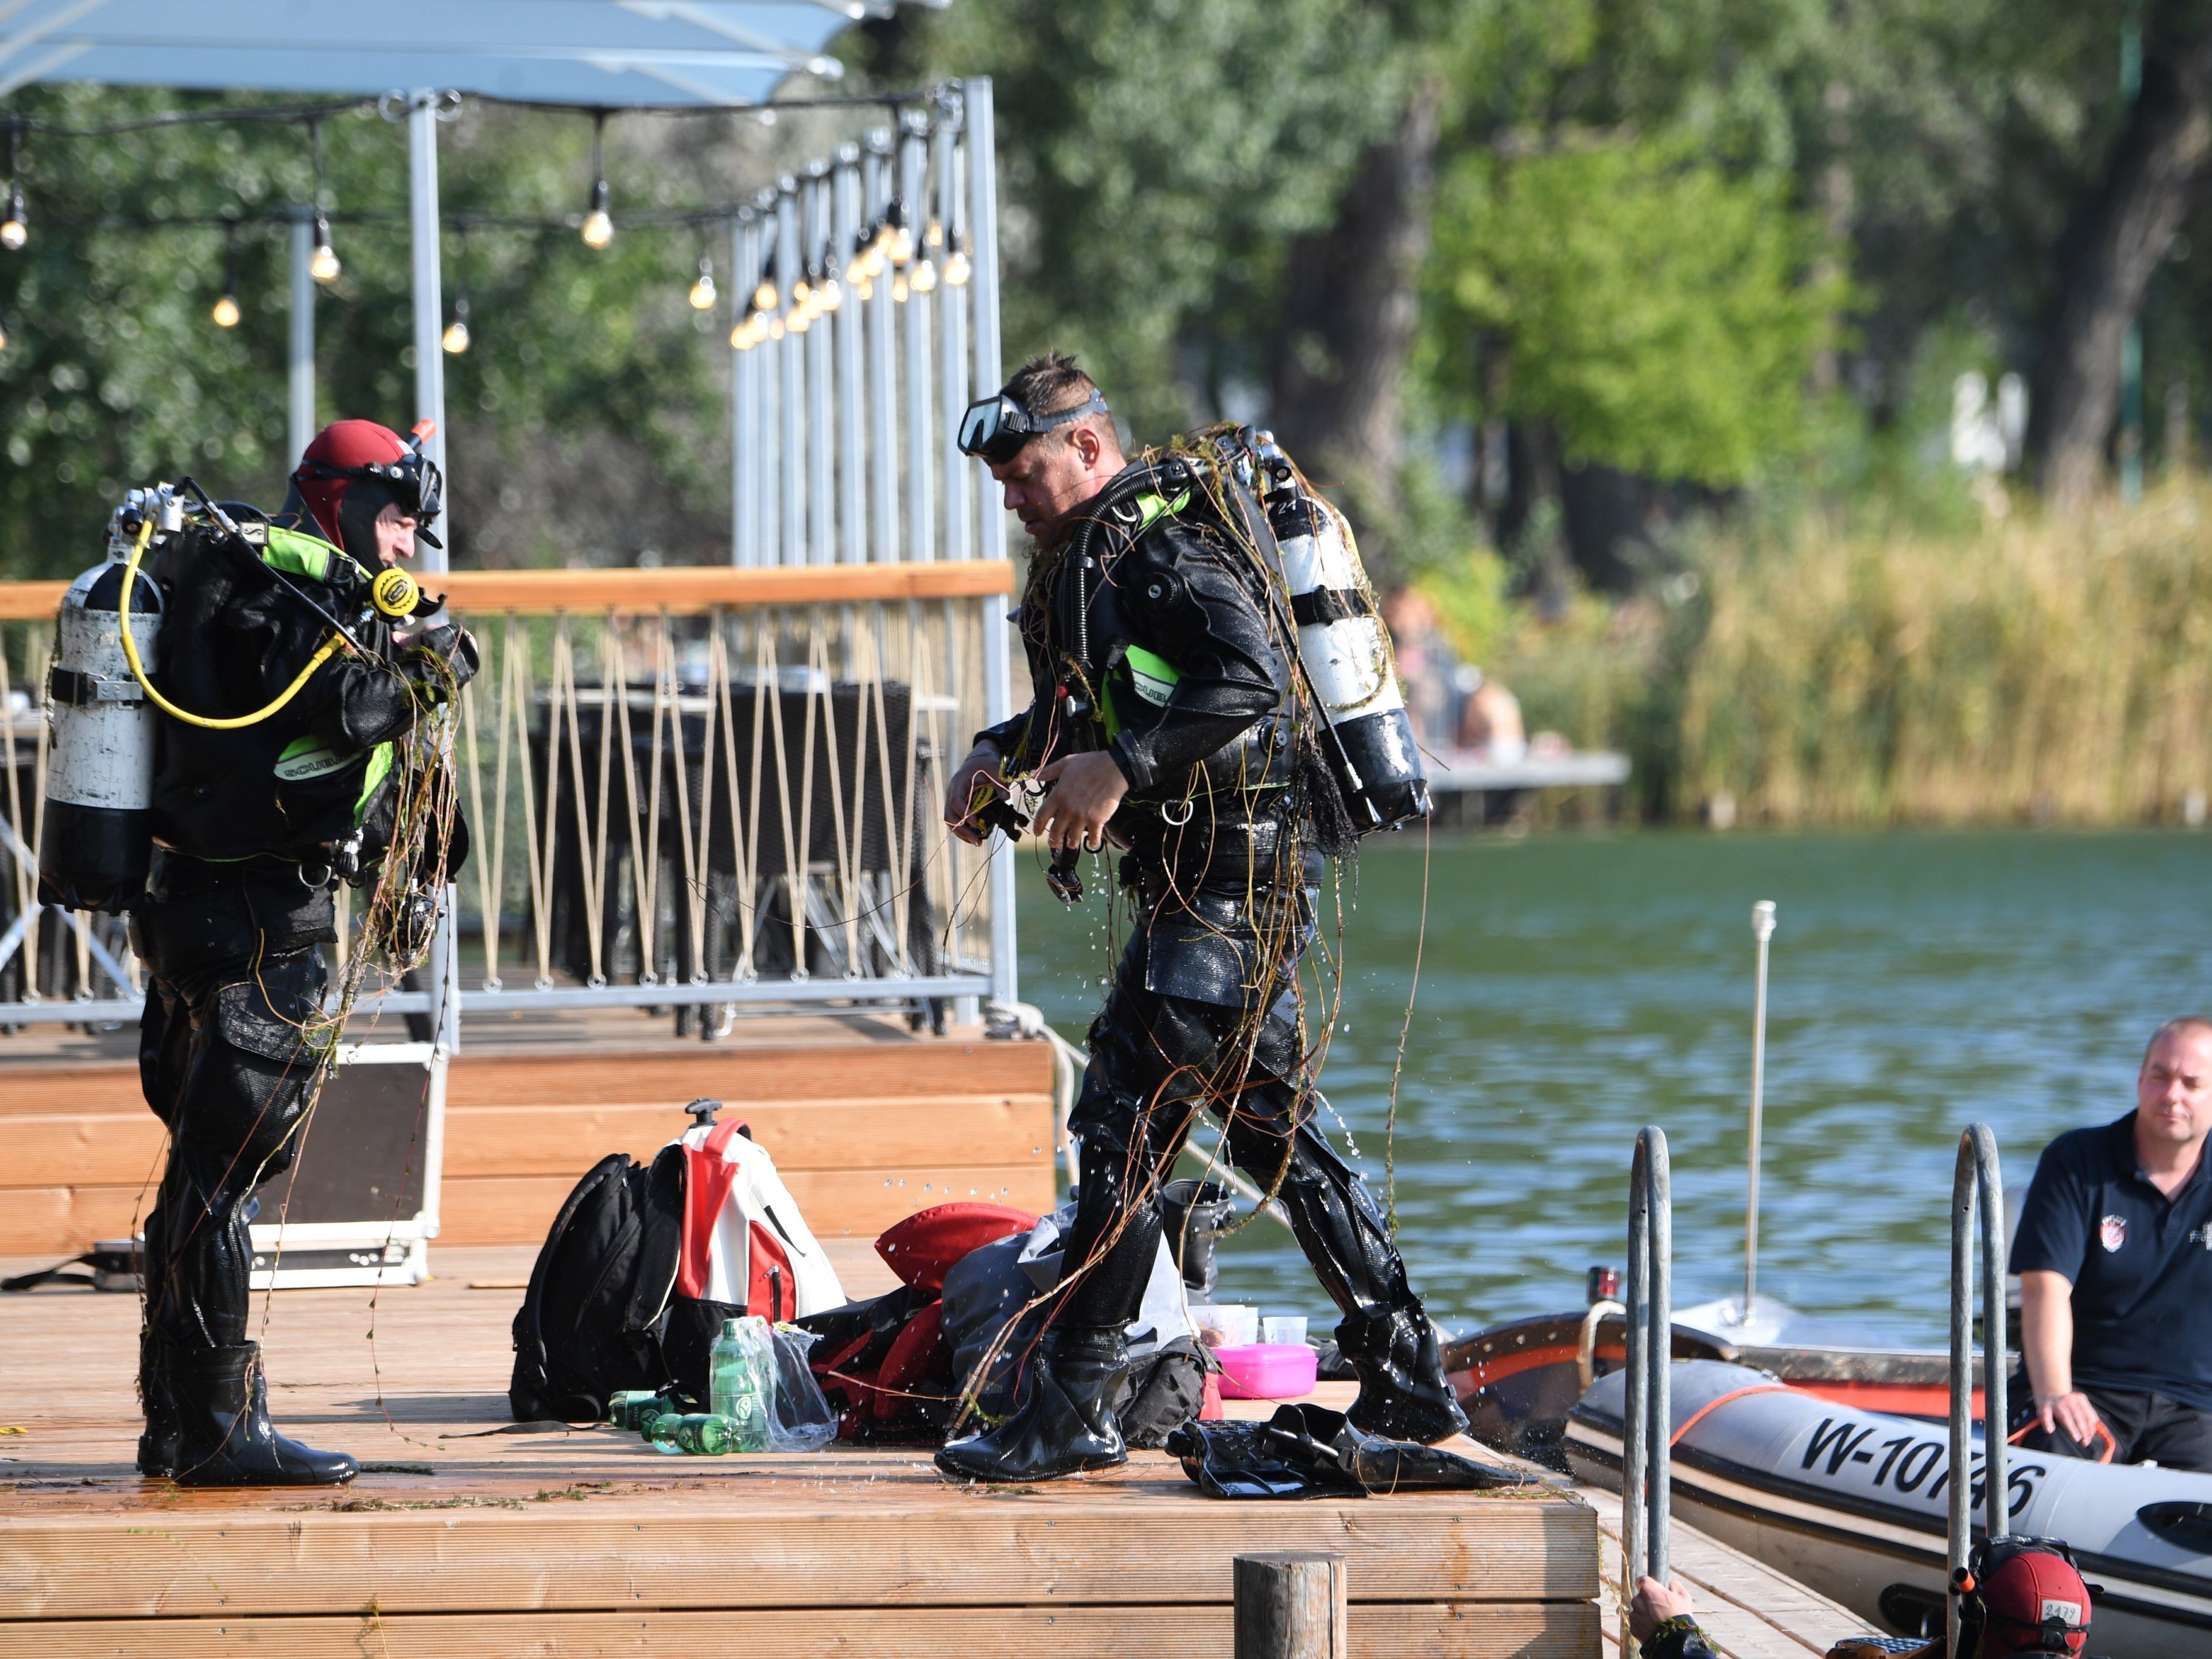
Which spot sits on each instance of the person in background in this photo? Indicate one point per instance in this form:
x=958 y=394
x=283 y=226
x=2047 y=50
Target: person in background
x=1489 y=719
x=1428 y=668
x=2114 y=1255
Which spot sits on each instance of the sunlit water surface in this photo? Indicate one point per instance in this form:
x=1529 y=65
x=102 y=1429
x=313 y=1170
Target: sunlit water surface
x=1574 y=988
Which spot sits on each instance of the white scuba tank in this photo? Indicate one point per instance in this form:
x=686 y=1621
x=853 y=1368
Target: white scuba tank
x=1346 y=651
x=96 y=838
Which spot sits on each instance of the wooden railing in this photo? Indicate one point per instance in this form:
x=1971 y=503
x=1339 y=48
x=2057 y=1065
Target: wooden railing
x=688 y=788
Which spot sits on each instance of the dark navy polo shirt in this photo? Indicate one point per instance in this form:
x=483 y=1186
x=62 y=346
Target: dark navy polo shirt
x=2141 y=1262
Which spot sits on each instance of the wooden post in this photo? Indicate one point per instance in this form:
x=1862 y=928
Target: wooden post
x=1291 y=1606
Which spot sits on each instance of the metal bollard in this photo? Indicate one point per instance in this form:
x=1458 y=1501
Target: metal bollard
x=1976 y=1175
x=1647 y=1414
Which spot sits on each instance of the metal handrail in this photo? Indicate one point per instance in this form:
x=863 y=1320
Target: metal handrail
x=1976 y=1176
x=1647 y=1415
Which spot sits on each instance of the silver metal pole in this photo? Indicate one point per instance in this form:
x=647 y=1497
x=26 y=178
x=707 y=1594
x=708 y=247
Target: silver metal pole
x=1647 y=1426
x=300 y=427
x=852 y=442
x=1976 y=1183
x=882 y=372
x=821 y=441
x=952 y=395
x=743 y=279
x=921 y=452
x=791 y=544
x=430 y=406
x=983 y=229
x=1762 y=930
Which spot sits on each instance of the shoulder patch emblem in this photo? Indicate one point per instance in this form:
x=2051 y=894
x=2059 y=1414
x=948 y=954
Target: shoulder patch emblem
x=2112 y=1232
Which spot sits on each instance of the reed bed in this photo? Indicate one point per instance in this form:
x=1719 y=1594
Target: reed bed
x=2033 y=669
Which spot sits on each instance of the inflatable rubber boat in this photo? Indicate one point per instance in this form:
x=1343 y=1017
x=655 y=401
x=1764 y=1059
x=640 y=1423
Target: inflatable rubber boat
x=1852 y=1502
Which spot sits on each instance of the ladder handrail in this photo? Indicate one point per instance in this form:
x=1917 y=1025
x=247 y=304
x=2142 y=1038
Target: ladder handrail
x=1647 y=1414
x=1976 y=1175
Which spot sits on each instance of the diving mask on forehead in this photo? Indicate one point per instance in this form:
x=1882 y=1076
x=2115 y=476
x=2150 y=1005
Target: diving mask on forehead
x=996 y=427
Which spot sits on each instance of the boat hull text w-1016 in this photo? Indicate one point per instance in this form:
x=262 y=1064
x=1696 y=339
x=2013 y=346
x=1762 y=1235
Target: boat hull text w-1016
x=1853 y=1503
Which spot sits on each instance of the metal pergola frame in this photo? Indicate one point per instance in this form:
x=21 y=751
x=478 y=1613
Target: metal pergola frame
x=588 y=55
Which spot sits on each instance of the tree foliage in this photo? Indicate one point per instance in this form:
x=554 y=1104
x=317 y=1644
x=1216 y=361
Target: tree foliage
x=1656 y=310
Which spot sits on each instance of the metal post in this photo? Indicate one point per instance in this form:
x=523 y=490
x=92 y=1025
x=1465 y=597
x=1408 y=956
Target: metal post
x=1647 y=1412
x=851 y=476
x=1762 y=929
x=430 y=406
x=301 y=428
x=821 y=439
x=744 y=436
x=983 y=229
x=768 y=400
x=1976 y=1182
x=791 y=424
x=920 y=455
x=952 y=350
x=883 y=371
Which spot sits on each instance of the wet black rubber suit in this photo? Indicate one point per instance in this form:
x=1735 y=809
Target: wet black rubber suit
x=1196 y=698
x=252 y=829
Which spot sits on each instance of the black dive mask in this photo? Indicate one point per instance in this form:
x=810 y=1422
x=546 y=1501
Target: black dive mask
x=413 y=484
x=996 y=427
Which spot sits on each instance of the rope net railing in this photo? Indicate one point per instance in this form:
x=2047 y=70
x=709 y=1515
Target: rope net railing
x=691 y=811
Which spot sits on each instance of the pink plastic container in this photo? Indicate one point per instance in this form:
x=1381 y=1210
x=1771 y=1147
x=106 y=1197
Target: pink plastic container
x=1268 y=1371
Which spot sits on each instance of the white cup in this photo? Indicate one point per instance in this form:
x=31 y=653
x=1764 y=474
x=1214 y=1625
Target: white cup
x=1289 y=1329
x=1226 y=1324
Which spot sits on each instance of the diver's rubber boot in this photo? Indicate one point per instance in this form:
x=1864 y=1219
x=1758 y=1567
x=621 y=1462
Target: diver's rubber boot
x=1063 y=1424
x=158 y=1445
x=1403 y=1394
x=227 y=1439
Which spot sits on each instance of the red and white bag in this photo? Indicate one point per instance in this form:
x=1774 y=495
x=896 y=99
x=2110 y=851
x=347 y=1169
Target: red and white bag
x=746 y=1244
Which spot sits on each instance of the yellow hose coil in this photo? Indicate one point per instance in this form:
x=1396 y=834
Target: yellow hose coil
x=139 y=669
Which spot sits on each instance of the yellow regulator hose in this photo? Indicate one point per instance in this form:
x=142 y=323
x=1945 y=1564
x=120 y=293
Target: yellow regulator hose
x=138 y=669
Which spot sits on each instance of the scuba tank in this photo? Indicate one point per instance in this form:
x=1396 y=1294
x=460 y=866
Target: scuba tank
x=96 y=841
x=1343 y=646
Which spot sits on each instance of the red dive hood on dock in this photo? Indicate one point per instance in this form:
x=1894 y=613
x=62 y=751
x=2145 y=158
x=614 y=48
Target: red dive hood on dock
x=922 y=1249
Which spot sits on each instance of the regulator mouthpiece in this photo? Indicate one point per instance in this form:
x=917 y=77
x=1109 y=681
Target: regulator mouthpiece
x=394 y=592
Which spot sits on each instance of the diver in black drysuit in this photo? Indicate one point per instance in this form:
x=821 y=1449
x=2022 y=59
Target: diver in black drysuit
x=252 y=828
x=1197 y=712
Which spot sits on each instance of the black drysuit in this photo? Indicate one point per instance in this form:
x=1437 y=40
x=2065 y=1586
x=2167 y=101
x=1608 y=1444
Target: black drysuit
x=252 y=828
x=1168 y=620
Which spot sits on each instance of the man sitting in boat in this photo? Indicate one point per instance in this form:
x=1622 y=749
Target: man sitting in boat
x=2114 y=1255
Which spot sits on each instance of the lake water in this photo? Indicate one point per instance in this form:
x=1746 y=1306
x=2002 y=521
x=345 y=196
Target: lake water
x=1576 y=987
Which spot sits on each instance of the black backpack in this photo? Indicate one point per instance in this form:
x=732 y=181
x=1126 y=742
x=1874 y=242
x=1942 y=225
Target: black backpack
x=595 y=1318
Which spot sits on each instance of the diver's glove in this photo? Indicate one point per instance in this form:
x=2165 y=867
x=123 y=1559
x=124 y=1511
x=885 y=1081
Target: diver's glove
x=457 y=646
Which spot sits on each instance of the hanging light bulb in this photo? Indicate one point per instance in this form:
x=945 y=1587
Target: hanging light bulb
x=832 y=292
x=776 y=328
x=934 y=236
x=924 y=277
x=226 y=309
x=956 y=266
x=702 y=291
x=323 y=265
x=455 y=339
x=16 y=228
x=899 y=245
x=765 y=296
x=899 y=289
x=598 y=229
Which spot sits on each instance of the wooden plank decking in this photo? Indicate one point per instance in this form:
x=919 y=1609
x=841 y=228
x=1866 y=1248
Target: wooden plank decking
x=456 y=1542
x=868 y=1122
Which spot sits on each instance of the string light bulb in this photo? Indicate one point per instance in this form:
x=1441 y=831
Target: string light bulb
x=899 y=245
x=226 y=309
x=16 y=228
x=801 y=292
x=956 y=266
x=899 y=289
x=702 y=291
x=323 y=265
x=599 y=228
x=776 y=328
x=765 y=296
x=864 y=290
x=924 y=277
x=455 y=340
x=831 y=293
x=934 y=236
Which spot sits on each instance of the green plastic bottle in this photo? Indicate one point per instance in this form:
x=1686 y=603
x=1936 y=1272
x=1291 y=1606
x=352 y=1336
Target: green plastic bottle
x=740 y=1384
x=704 y=1434
x=635 y=1408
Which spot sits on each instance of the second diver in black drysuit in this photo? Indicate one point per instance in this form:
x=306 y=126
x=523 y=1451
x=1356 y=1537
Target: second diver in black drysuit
x=1149 y=636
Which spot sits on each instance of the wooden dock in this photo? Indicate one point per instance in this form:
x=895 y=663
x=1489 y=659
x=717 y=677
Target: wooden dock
x=868 y=1122
x=458 y=1539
